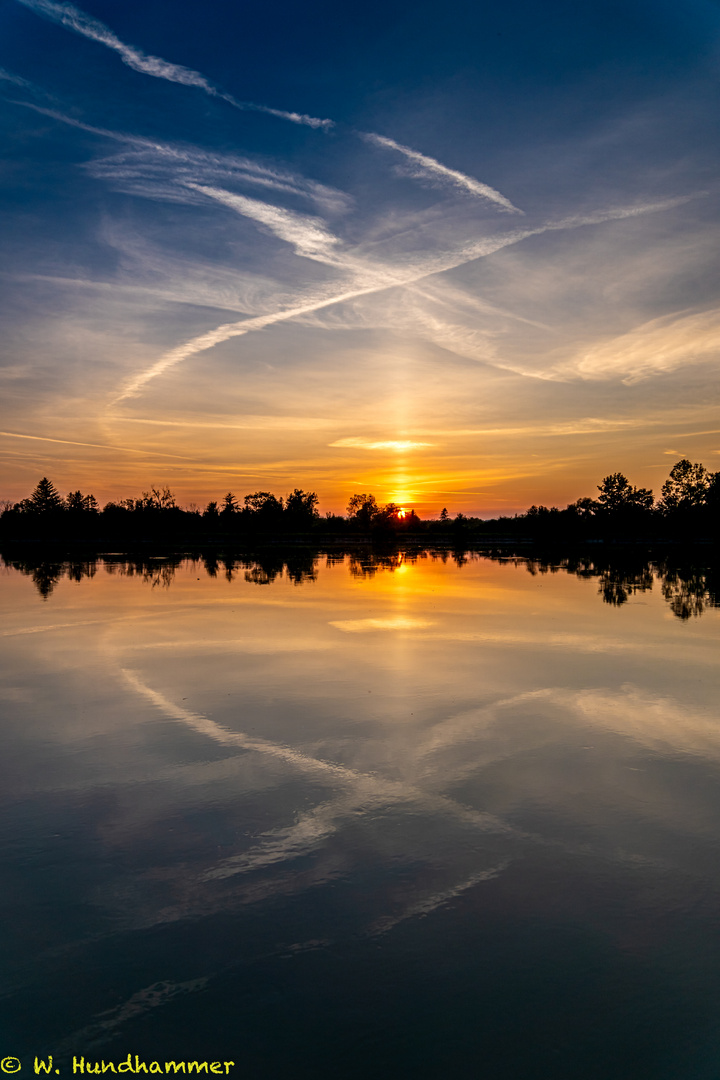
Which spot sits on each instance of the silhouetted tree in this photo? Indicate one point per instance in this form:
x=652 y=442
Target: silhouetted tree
x=301 y=507
x=584 y=508
x=713 y=498
x=363 y=509
x=76 y=502
x=618 y=496
x=686 y=488
x=157 y=499
x=263 y=503
x=44 y=498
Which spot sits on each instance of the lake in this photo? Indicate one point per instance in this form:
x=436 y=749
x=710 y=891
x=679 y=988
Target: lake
x=409 y=816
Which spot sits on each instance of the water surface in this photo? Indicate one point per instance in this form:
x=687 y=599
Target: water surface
x=363 y=818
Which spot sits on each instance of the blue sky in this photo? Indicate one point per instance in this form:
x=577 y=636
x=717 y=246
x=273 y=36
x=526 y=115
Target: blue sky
x=459 y=255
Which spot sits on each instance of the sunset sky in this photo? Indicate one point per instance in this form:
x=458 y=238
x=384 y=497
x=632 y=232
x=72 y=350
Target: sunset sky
x=458 y=254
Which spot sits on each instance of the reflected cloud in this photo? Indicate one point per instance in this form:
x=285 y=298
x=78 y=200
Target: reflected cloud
x=270 y=804
x=356 y=789
x=105 y=1026
x=653 y=720
x=438 y=900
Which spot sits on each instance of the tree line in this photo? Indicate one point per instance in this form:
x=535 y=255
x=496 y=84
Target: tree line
x=688 y=507
x=46 y=515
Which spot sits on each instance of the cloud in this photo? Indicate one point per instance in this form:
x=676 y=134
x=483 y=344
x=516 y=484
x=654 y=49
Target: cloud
x=376 y=278
x=7 y=76
x=358 y=443
x=657 y=346
x=174 y=173
x=168 y=171
x=461 y=340
x=393 y=622
x=423 y=167
x=74 y=19
x=308 y=235
x=411 y=257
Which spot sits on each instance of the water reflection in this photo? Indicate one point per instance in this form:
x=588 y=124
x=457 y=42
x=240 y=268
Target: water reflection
x=688 y=587
x=423 y=816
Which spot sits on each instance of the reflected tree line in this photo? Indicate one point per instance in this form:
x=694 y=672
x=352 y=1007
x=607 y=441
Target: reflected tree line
x=689 y=588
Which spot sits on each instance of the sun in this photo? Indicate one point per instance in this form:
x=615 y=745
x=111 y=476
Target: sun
x=402 y=512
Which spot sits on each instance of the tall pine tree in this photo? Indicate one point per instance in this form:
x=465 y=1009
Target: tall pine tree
x=45 y=497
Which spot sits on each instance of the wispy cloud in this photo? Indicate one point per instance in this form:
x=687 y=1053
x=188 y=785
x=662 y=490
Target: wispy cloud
x=73 y=18
x=308 y=235
x=7 y=76
x=393 y=622
x=463 y=340
x=423 y=167
x=170 y=171
x=657 y=346
x=412 y=256
x=358 y=443
x=175 y=173
x=377 y=278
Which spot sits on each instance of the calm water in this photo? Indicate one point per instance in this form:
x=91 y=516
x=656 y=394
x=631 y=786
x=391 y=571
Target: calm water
x=412 y=819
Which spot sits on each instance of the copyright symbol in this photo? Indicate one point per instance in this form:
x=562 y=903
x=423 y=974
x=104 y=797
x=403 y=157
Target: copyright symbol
x=10 y=1065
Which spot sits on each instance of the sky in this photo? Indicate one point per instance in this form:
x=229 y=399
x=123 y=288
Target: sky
x=457 y=255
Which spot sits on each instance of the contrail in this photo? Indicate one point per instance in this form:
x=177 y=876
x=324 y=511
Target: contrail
x=231 y=330
x=75 y=19
x=387 y=280
x=429 y=167
x=93 y=446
